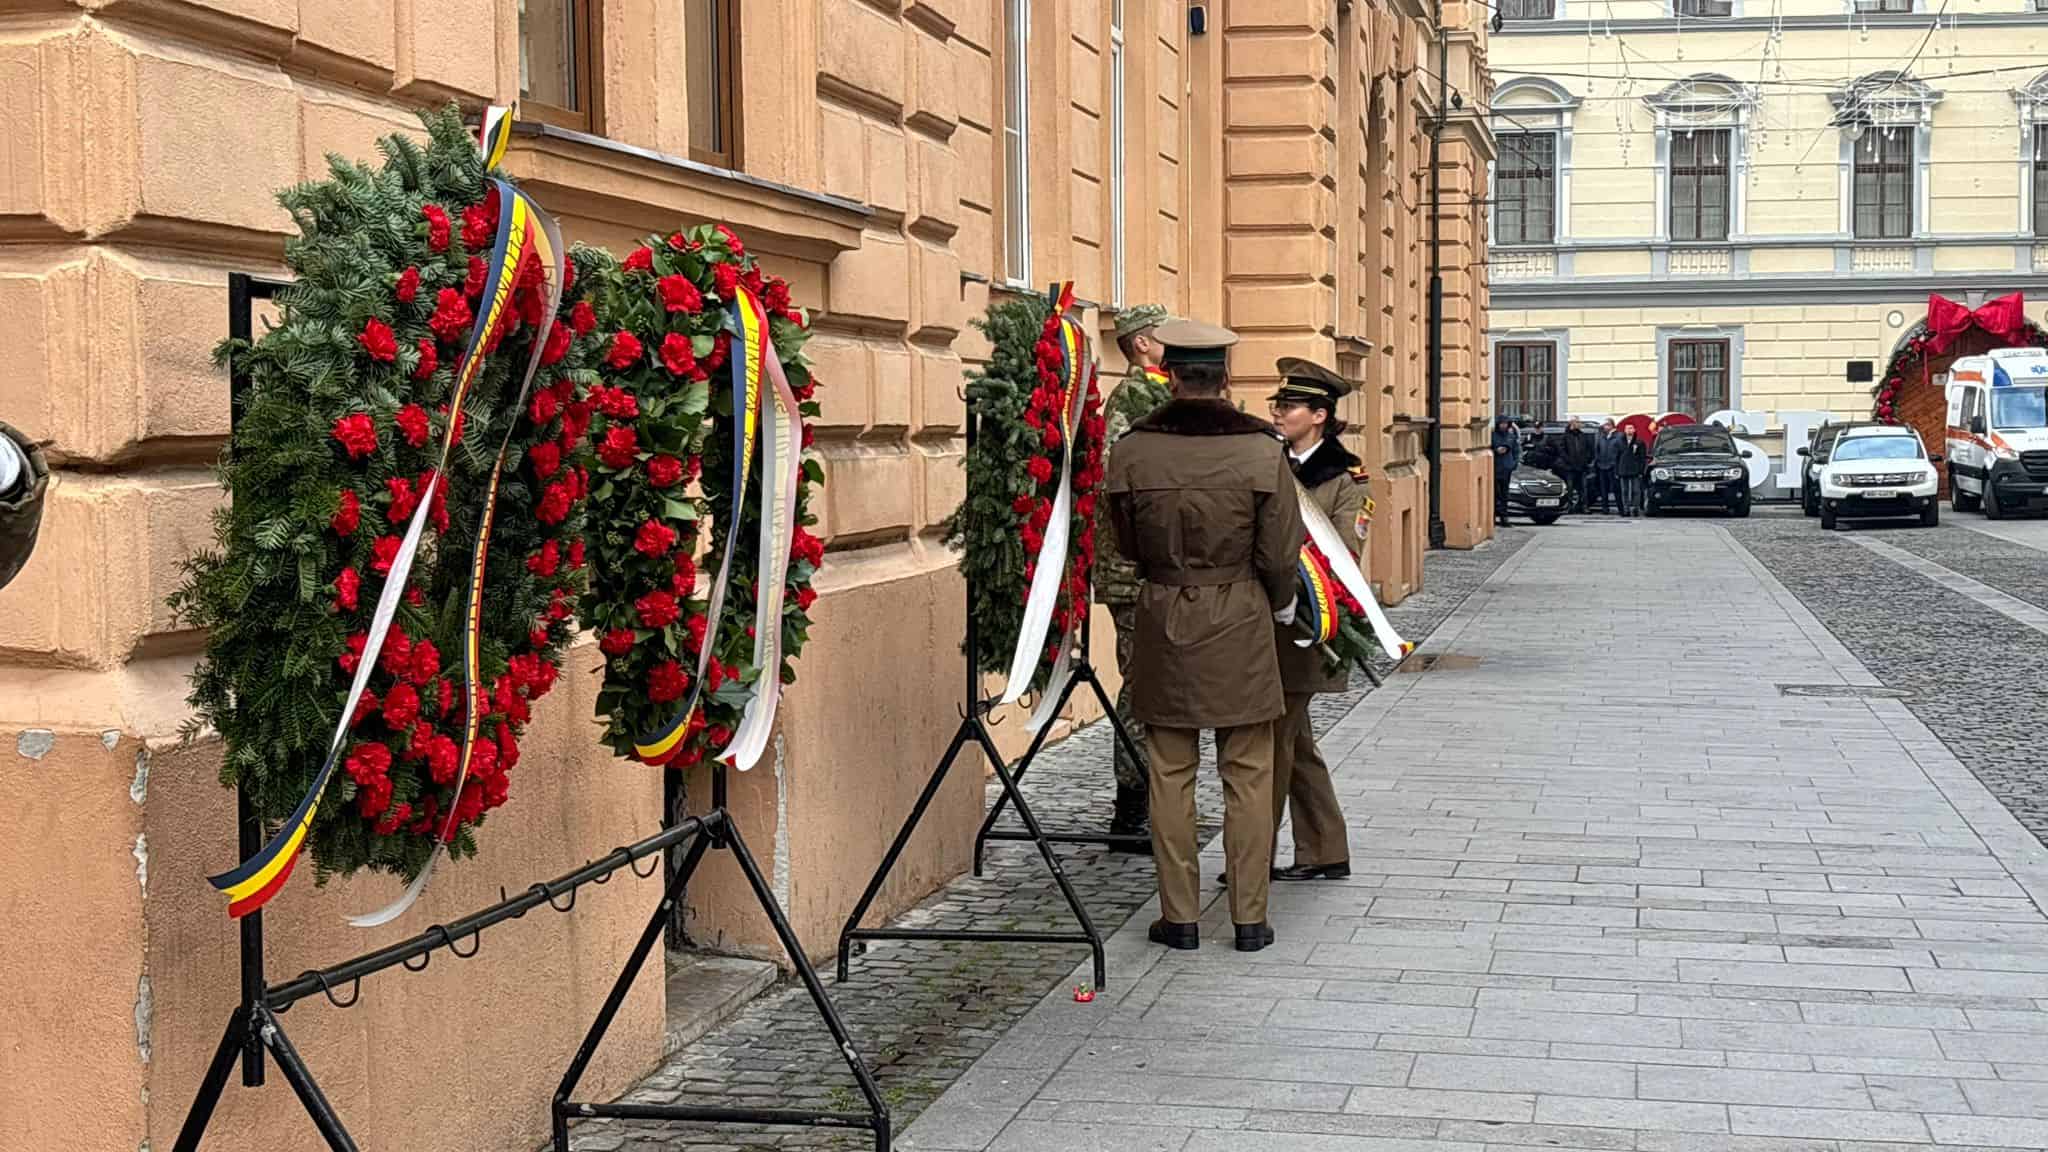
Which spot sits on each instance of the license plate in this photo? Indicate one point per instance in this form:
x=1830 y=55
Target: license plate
x=1880 y=494
x=1699 y=487
x=1548 y=503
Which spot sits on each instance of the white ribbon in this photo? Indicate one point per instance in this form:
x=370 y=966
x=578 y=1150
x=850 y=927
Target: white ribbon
x=1344 y=566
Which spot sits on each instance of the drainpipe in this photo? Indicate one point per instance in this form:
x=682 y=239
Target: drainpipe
x=1436 y=284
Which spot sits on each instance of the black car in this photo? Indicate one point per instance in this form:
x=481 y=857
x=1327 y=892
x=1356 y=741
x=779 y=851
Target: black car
x=1820 y=445
x=1538 y=494
x=1698 y=466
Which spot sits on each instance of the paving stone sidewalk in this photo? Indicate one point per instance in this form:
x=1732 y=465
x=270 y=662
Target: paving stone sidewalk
x=1615 y=887
x=923 y=1013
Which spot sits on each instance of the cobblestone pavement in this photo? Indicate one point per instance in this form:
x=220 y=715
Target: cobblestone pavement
x=1973 y=675
x=1621 y=890
x=922 y=1013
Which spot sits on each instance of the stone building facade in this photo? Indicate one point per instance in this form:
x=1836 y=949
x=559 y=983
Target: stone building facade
x=899 y=162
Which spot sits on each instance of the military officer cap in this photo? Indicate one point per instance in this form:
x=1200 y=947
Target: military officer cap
x=1192 y=342
x=1306 y=380
x=1138 y=317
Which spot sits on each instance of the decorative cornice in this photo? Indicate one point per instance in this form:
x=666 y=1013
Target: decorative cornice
x=1645 y=292
x=1655 y=24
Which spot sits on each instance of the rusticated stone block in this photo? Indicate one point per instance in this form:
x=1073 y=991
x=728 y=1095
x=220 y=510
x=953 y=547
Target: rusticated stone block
x=893 y=390
x=439 y=46
x=1087 y=210
x=872 y=489
x=231 y=22
x=974 y=75
x=1305 y=106
x=975 y=242
x=1303 y=155
x=861 y=50
x=1276 y=305
x=1295 y=206
x=976 y=165
x=937 y=107
x=937 y=211
x=843 y=146
x=937 y=379
x=360 y=30
x=347 y=127
x=868 y=281
x=1309 y=15
x=41 y=179
x=1271 y=254
x=845 y=372
x=945 y=479
x=1300 y=54
x=937 y=273
x=212 y=144
x=888 y=178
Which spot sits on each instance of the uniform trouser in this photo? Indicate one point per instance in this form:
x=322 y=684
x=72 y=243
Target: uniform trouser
x=1301 y=783
x=1130 y=771
x=1244 y=758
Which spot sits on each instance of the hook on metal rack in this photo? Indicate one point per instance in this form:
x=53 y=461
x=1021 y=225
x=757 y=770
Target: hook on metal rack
x=653 y=866
x=476 y=944
x=551 y=899
x=424 y=958
x=355 y=990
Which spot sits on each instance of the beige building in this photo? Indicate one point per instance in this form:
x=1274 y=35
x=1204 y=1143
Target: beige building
x=1724 y=204
x=900 y=163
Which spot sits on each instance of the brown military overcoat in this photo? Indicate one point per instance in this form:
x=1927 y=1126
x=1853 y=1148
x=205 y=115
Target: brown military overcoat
x=1335 y=480
x=1202 y=502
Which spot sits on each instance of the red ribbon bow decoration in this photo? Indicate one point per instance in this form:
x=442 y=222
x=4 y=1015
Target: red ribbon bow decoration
x=2005 y=318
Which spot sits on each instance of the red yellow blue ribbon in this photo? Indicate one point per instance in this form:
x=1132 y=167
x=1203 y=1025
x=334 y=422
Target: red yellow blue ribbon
x=1318 y=599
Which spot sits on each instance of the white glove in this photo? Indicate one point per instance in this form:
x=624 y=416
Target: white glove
x=1286 y=615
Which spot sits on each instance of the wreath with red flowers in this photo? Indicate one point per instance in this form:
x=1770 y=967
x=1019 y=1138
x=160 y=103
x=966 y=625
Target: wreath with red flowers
x=1911 y=357
x=341 y=423
x=1013 y=475
x=663 y=422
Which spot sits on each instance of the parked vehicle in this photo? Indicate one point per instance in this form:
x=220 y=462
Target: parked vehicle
x=1698 y=466
x=1998 y=432
x=1537 y=494
x=1879 y=472
x=1820 y=442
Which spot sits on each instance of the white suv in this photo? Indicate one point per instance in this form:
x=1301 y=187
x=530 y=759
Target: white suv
x=1879 y=471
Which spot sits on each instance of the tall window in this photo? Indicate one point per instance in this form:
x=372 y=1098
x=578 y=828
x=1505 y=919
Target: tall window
x=1884 y=183
x=1699 y=185
x=712 y=35
x=1528 y=9
x=1016 y=140
x=1525 y=381
x=557 y=62
x=1525 y=189
x=1702 y=7
x=1116 y=151
x=1698 y=385
x=2041 y=179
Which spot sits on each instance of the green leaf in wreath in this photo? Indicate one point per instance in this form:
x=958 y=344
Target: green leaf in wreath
x=676 y=509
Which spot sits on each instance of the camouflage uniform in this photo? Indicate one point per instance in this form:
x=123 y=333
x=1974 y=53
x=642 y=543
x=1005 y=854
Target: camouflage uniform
x=21 y=504
x=1116 y=580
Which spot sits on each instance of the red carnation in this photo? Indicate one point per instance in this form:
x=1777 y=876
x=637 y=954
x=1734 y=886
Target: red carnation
x=408 y=285
x=377 y=340
x=805 y=597
x=542 y=409
x=625 y=350
x=401 y=706
x=346 y=584
x=439 y=512
x=544 y=563
x=554 y=504
x=412 y=420
x=618 y=448
x=721 y=347
x=437 y=226
x=1040 y=469
x=616 y=642
x=810 y=436
x=617 y=403
x=776 y=299
x=444 y=695
x=576 y=553
x=357 y=434
x=426 y=662
x=583 y=318
x=654 y=538
x=639 y=260
x=677 y=355
x=477 y=226
x=805 y=546
x=396 y=653
x=352 y=655
x=664 y=471
x=443 y=757
x=367 y=761
x=657 y=609
x=696 y=627
x=403 y=500
x=383 y=554
x=575 y=421
x=679 y=295
x=666 y=681
x=473 y=282
x=348 y=516
x=546 y=458
x=727 y=279
x=1033 y=540
x=452 y=317
x=557 y=345
x=732 y=241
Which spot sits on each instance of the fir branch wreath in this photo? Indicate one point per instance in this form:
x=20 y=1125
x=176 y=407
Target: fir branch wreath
x=345 y=409
x=662 y=424
x=1012 y=479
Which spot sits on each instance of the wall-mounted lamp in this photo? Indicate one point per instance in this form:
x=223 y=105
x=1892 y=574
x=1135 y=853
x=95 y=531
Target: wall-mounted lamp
x=1198 y=19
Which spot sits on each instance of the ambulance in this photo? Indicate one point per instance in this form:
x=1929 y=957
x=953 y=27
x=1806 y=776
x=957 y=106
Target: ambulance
x=1998 y=431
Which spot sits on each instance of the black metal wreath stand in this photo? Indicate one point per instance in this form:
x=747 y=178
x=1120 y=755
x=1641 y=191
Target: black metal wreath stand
x=974 y=711
x=254 y=1025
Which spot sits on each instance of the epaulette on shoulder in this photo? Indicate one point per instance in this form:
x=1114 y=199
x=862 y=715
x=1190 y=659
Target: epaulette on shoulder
x=1359 y=473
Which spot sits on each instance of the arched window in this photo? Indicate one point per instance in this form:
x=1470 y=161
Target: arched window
x=1531 y=183
x=1702 y=126
x=1885 y=120
x=2033 y=109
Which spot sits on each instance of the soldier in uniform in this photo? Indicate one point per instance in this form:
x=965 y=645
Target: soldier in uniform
x=1202 y=503
x=1305 y=411
x=1142 y=389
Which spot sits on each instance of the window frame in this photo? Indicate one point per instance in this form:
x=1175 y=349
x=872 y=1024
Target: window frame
x=1698 y=175
x=1678 y=9
x=1016 y=96
x=2039 y=174
x=1905 y=166
x=1508 y=13
x=1701 y=410
x=726 y=49
x=586 y=60
x=1118 y=251
x=1503 y=179
x=1885 y=7
x=1551 y=380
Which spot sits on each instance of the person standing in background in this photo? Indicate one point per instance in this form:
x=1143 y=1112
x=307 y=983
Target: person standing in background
x=1606 y=458
x=1507 y=456
x=1629 y=470
x=1143 y=389
x=1574 y=456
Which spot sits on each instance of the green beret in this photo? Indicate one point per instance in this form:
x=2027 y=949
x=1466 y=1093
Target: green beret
x=1138 y=317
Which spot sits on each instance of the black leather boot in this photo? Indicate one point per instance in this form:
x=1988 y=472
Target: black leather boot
x=1185 y=937
x=1253 y=937
x=1133 y=809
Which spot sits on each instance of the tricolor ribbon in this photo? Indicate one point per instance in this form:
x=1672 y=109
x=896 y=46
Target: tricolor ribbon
x=1050 y=571
x=1318 y=606
x=1344 y=566
x=1158 y=376
x=777 y=429
x=522 y=228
